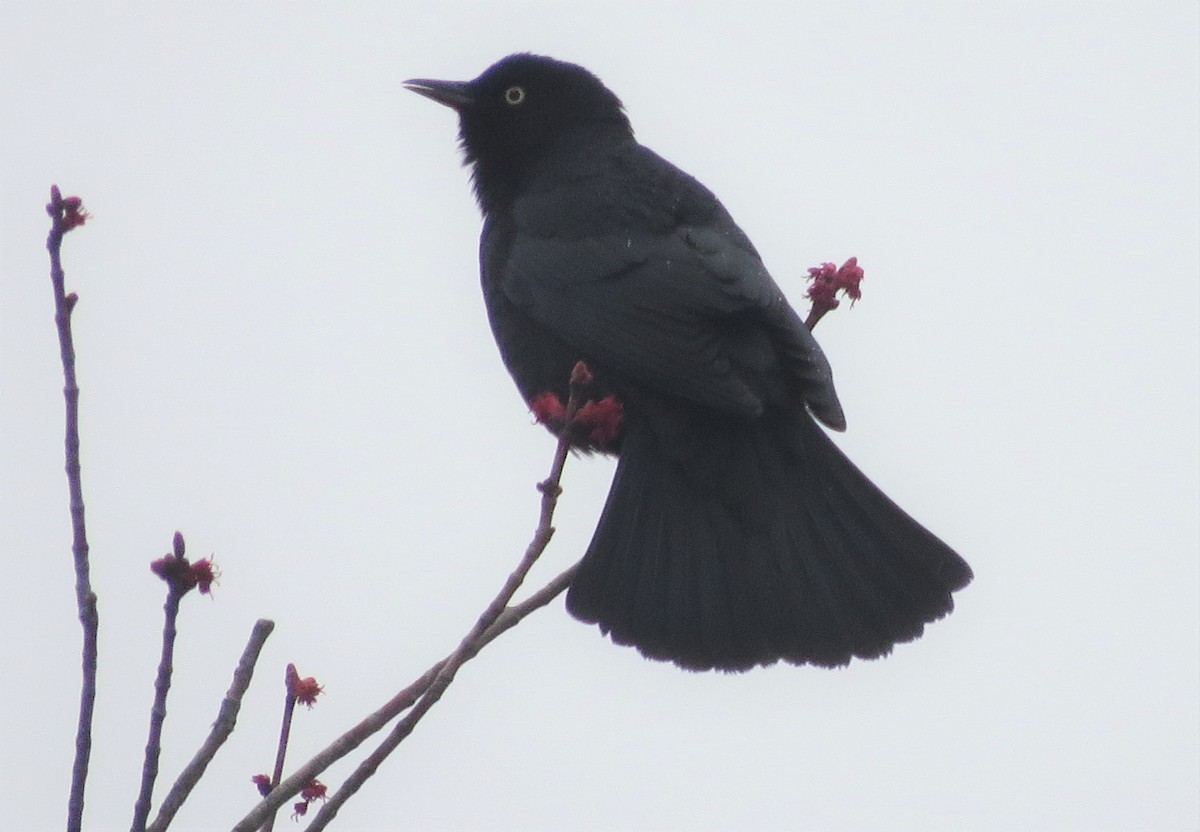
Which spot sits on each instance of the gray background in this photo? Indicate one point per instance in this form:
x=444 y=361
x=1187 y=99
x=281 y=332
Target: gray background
x=283 y=354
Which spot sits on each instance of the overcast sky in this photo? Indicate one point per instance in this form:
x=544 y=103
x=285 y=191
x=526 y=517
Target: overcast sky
x=283 y=354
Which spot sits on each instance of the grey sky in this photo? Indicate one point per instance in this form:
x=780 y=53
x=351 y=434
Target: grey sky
x=283 y=354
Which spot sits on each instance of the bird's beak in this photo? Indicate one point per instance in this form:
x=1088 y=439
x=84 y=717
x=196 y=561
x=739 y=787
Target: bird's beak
x=454 y=94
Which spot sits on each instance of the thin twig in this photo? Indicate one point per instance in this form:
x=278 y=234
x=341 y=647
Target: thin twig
x=496 y=619
x=513 y=615
x=470 y=645
x=399 y=703
x=285 y=730
x=508 y=619
x=336 y=750
x=221 y=729
x=158 y=711
x=65 y=215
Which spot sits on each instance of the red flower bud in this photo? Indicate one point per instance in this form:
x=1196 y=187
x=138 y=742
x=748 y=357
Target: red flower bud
x=263 y=782
x=304 y=690
x=847 y=279
x=203 y=574
x=548 y=410
x=602 y=421
x=315 y=790
x=827 y=280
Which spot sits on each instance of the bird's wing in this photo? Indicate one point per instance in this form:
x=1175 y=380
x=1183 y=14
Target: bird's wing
x=691 y=312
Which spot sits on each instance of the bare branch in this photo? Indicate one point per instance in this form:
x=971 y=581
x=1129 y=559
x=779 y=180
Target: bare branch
x=474 y=642
x=497 y=618
x=285 y=731
x=222 y=728
x=158 y=711
x=66 y=214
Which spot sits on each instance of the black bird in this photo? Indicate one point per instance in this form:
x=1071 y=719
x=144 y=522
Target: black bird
x=736 y=533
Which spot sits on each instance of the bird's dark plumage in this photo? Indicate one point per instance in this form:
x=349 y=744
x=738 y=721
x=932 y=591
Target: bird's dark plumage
x=735 y=534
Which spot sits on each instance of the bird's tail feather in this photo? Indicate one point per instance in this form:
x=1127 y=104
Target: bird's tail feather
x=728 y=544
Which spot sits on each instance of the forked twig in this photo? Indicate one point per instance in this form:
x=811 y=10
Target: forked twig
x=422 y=694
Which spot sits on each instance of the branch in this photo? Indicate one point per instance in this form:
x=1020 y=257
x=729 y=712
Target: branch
x=496 y=619
x=285 y=730
x=399 y=703
x=66 y=214
x=222 y=728
x=158 y=711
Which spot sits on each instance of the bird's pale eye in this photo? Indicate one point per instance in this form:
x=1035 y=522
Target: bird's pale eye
x=514 y=95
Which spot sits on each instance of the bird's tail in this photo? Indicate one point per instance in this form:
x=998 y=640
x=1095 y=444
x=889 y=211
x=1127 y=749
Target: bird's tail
x=728 y=544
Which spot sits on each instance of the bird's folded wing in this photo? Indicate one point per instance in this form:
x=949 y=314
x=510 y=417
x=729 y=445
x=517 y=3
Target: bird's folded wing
x=691 y=313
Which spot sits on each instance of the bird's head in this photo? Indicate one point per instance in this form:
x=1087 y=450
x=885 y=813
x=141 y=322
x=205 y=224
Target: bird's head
x=524 y=109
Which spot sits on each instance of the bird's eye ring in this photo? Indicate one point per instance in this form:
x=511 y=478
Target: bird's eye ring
x=514 y=95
